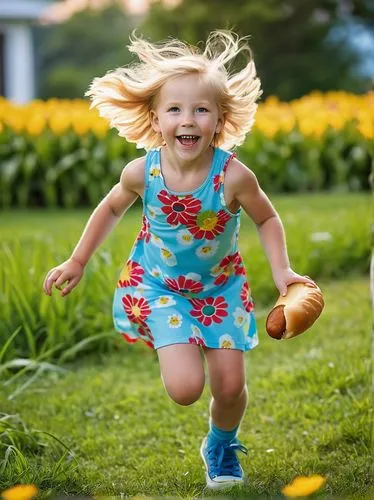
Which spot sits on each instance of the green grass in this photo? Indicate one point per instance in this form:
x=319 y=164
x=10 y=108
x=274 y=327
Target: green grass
x=309 y=404
x=327 y=235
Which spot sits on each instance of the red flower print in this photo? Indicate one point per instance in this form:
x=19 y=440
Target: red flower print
x=183 y=285
x=179 y=209
x=218 y=180
x=208 y=224
x=136 y=309
x=209 y=310
x=129 y=339
x=131 y=274
x=196 y=340
x=144 y=331
x=144 y=232
x=231 y=264
x=245 y=295
x=132 y=340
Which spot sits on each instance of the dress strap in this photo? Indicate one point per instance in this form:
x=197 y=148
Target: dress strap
x=151 y=172
x=232 y=155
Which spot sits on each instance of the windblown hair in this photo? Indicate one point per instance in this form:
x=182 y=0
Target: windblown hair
x=126 y=96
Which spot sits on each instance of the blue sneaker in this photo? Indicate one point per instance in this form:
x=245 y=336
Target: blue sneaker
x=222 y=465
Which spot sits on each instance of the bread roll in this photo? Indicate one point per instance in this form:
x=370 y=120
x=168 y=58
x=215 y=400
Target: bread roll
x=296 y=312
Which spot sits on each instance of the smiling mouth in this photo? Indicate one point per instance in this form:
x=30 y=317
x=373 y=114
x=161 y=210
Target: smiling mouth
x=188 y=140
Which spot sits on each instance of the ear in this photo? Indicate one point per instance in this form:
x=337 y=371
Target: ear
x=154 y=121
x=219 y=126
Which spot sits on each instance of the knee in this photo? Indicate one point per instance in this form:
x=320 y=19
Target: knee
x=185 y=392
x=230 y=392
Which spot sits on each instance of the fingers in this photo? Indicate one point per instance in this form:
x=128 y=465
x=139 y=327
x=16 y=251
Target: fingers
x=71 y=284
x=310 y=281
x=51 y=277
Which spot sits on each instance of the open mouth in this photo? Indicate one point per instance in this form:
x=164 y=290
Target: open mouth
x=188 y=140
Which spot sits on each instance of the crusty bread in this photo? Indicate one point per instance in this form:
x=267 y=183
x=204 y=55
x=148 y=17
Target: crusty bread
x=296 y=312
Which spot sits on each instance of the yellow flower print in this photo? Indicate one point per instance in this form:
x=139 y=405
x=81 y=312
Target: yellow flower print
x=154 y=172
x=175 y=320
x=226 y=342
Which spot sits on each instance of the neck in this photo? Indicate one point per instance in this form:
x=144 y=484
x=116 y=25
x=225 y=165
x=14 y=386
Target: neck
x=179 y=165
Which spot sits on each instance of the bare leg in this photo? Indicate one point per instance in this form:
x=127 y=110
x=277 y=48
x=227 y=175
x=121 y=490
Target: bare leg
x=182 y=372
x=227 y=382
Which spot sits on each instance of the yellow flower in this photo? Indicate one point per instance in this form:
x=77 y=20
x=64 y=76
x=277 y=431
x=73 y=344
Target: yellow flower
x=20 y=492
x=59 y=123
x=303 y=486
x=36 y=125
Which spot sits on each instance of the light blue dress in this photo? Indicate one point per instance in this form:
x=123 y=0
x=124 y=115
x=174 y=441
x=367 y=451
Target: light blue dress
x=184 y=281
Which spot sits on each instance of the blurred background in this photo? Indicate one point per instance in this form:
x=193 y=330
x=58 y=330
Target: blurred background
x=298 y=46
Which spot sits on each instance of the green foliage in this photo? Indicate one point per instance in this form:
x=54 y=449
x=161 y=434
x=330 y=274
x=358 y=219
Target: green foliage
x=87 y=45
x=291 y=43
x=71 y=171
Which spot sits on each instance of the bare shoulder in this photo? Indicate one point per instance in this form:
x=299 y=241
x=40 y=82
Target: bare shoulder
x=132 y=177
x=239 y=177
x=244 y=190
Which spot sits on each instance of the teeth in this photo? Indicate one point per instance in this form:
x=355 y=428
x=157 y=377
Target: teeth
x=188 y=136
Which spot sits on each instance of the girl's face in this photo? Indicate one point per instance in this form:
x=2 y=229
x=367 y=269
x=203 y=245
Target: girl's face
x=187 y=116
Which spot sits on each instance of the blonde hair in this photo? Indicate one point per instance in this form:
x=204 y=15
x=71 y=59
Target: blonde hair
x=125 y=96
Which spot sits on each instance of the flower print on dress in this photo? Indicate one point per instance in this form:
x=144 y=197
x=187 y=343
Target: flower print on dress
x=144 y=232
x=156 y=272
x=229 y=265
x=156 y=241
x=153 y=211
x=245 y=295
x=218 y=180
x=154 y=171
x=179 y=209
x=226 y=342
x=168 y=257
x=209 y=310
x=184 y=237
x=208 y=224
x=240 y=317
x=197 y=337
x=164 y=301
x=145 y=334
x=137 y=309
x=175 y=320
x=184 y=286
x=207 y=250
x=131 y=274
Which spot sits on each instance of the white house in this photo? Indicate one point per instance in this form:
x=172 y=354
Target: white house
x=17 y=67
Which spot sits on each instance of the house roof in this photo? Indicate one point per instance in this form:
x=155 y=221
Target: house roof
x=22 y=9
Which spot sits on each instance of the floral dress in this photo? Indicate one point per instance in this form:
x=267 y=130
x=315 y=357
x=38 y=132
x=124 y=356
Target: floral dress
x=184 y=281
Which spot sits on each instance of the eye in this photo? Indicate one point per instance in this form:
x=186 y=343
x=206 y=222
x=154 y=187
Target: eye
x=202 y=110
x=173 y=109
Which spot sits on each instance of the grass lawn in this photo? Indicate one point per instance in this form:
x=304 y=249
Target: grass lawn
x=309 y=413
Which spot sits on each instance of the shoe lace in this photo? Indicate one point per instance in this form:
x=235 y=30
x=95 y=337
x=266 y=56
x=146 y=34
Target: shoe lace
x=223 y=460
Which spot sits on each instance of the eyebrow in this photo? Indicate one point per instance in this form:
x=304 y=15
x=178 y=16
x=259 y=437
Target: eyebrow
x=178 y=103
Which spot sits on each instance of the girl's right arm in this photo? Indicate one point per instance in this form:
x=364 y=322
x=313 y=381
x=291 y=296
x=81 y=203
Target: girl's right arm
x=101 y=222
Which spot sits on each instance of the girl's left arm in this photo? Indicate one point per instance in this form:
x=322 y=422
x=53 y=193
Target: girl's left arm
x=243 y=187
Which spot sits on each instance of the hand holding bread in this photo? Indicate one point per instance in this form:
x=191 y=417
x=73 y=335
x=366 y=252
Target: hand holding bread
x=295 y=312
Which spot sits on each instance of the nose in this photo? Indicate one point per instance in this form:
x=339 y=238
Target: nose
x=188 y=119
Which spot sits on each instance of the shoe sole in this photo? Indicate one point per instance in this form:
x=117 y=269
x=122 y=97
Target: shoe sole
x=210 y=483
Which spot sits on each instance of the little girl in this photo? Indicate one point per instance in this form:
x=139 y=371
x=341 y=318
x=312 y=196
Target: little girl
x=184 y=288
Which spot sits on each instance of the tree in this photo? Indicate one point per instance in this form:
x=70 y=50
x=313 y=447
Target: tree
x=291 y=40
x=86 y=45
